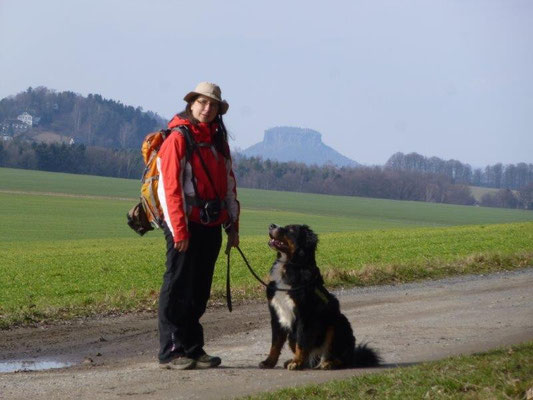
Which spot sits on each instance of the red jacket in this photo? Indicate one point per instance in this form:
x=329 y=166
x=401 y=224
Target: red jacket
x=176 y=173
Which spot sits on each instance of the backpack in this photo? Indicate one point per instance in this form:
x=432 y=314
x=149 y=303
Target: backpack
x=147 y=214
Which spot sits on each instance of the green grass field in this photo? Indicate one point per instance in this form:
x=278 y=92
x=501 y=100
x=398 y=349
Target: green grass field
x=504 y=373
x=65 y=248
x=100 y=214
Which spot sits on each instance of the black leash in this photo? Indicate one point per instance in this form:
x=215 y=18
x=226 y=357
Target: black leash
x=228 y=288
x=251 y=270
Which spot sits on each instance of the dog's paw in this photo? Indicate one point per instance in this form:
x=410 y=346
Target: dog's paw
x=329 y=364
x=325 y=365
x=267 y=364
x=294 y=366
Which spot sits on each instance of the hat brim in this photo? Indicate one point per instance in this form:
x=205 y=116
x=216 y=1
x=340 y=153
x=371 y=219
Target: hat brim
x=223 y=105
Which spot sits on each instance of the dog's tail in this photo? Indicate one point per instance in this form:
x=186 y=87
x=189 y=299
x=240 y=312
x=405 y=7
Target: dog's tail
x=365 y=356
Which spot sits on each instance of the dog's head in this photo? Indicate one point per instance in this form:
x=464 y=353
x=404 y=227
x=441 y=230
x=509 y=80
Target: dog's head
x=295 y=242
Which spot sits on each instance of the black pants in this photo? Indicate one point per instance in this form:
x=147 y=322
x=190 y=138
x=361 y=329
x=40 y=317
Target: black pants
x=185 y=291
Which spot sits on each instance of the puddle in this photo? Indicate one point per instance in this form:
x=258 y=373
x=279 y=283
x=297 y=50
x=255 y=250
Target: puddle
x=32 y=365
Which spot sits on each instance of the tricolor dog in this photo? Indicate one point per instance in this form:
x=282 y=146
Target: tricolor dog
x=303 y=311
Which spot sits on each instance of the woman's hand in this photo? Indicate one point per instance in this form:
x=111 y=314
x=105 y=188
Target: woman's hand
x=233 y=240
x=182 y=245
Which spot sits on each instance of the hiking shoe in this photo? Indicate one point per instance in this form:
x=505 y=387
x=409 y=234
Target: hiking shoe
x=180 y=362
x=207 y=361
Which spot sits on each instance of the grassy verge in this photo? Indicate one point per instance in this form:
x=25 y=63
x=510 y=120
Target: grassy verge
x=50 y=280
x=505 y=373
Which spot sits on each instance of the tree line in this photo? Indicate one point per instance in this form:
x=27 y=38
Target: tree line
x=499 y=176
x=376 y=182
x=253 y=172
x=76 y=159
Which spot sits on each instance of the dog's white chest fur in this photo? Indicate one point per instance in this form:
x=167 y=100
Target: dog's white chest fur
x=282 y=302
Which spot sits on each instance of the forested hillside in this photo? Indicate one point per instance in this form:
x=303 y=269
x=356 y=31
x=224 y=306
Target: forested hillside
x=91 y=120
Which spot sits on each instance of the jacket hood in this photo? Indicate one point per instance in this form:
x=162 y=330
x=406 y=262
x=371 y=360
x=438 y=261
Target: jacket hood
x=202 y=131
x=177 y=120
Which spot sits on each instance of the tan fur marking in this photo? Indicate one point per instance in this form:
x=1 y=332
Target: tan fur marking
x=273 y=356
x=326 y=363
x=300 y=359
x=291 y=245
x=328 y=341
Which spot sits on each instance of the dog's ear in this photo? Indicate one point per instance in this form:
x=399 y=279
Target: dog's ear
x=310 y=238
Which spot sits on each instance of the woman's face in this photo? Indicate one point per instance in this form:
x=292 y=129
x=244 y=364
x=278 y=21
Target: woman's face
x=204 y=109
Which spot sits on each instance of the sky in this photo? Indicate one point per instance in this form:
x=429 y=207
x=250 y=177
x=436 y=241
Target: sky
x=445 y=78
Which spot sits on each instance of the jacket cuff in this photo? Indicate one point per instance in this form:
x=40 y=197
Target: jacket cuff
x=178 y=237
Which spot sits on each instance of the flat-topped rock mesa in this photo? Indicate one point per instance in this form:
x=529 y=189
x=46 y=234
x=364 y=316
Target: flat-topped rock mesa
x=297 y=144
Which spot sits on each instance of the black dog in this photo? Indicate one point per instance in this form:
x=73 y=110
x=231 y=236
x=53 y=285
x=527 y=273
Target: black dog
x=303 y=310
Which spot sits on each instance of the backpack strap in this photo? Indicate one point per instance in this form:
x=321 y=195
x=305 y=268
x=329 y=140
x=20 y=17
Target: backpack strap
x=189 y=148
x=165 y=133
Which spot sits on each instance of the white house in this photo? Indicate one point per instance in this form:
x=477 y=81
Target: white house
x=12 y=126
x=26 y=118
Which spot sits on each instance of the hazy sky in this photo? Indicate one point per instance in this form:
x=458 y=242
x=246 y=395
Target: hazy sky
x=452 y=79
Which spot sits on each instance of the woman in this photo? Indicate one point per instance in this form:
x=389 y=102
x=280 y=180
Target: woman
x=197 y=193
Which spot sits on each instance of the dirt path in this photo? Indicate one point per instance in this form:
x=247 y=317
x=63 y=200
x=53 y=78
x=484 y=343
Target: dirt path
x=115 y=356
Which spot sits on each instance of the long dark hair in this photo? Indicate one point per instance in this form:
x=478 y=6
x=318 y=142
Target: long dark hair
x=220 y=139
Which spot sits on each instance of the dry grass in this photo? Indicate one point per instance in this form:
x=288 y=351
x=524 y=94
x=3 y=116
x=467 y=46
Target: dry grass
x=431 y=269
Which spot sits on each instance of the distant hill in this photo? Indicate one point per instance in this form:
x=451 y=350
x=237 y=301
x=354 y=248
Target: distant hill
x=297 y=144
x=44 y=115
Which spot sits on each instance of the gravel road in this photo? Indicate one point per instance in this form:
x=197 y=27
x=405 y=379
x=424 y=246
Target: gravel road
x=114 y=357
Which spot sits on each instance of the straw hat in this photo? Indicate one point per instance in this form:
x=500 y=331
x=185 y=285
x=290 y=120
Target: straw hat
x=209 y=90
